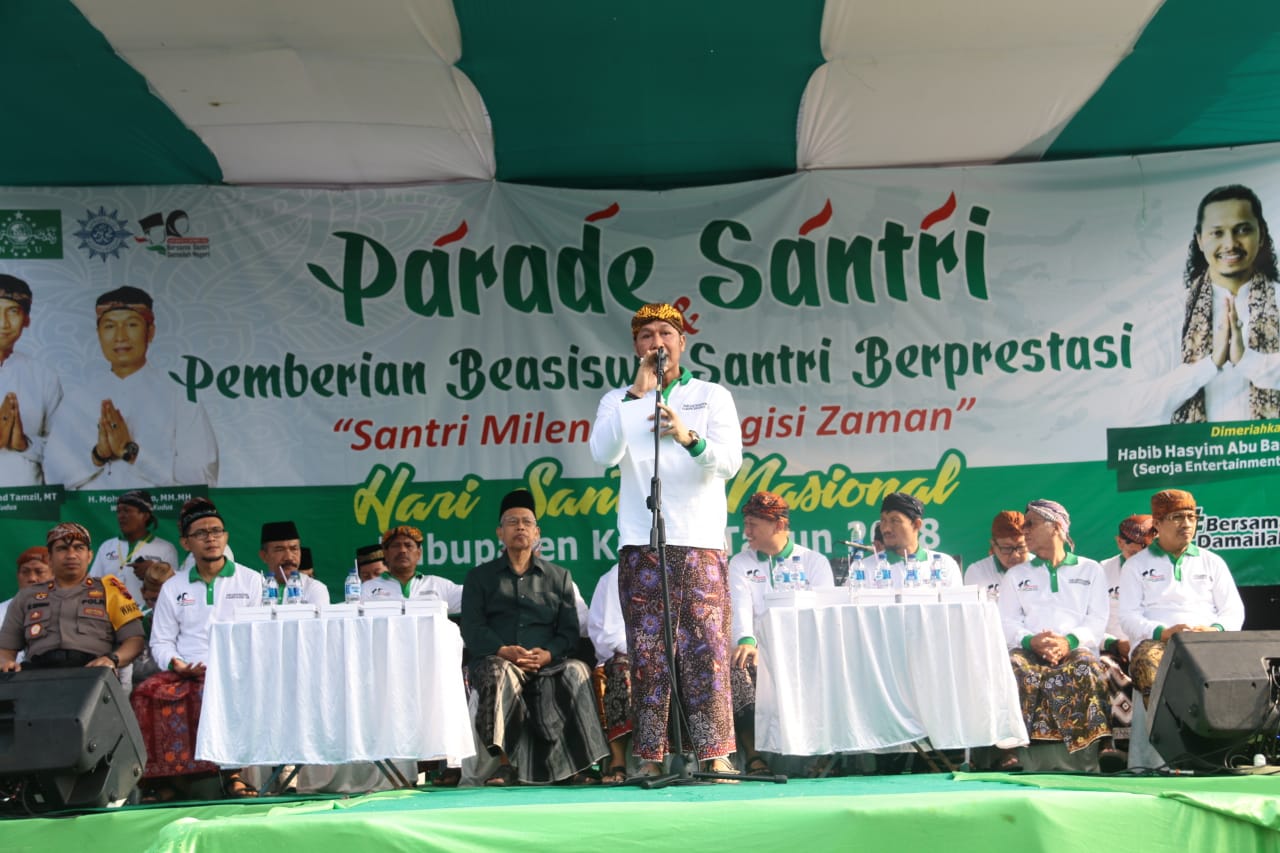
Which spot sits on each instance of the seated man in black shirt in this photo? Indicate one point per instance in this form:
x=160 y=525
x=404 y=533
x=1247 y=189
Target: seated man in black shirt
x=535 y=709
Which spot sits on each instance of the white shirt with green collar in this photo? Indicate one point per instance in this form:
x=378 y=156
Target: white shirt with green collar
x=187 y=606
x=985 y=573
x=386 y=587
x=693 y=478
x=1158 y=591
x=1070 y=600
x=1111 y=568
x=750 y=577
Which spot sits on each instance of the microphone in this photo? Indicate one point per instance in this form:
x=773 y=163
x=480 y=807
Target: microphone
x=660 y=363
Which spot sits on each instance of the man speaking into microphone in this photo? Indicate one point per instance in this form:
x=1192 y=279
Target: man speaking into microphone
x=700 y=448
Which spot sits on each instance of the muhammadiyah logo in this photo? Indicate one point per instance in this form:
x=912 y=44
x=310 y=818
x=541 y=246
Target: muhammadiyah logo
x=102 y=234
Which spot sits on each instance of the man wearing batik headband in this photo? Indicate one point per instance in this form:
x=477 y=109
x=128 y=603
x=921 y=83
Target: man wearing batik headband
x=1008 y=549
x=29 y=392
x=119 y=556
x=33 y=568
x=702 y=449
x=129 y=425
x=167 y=705
x=1174 y=585
x=901 y=520
x=402 y=552
x=73 y=620
x=1135 y=533
x=766 y=523
x=1054 y=611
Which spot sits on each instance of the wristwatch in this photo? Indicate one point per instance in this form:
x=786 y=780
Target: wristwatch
x=693 y=439
x=130 y=452
x=114 y=658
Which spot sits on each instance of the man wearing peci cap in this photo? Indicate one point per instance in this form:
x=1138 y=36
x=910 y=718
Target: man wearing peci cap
x=901 y=520
x=402 y=549
x=281 y=552
x=701 y=451
x=766 y=522
x=29 y=392
x=128 y=425
x=167 y=705
x=1173 y=585
x=1008 y=549
x=73 y=620
x=535 y=709
x=123 y=555
x=369 y=561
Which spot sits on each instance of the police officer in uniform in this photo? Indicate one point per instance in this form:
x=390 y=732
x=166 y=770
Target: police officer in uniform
x=74 y=620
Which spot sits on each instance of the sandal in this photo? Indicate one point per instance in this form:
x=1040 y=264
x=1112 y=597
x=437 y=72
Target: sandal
x=720 y=765
x=648 y=770
x=503 y=777
x=1009 y=764
x=757 y=766
x=235 y=788
x=615 y=775
x=584 y=777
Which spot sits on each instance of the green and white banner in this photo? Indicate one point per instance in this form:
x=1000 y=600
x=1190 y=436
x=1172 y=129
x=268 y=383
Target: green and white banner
x=359 y=359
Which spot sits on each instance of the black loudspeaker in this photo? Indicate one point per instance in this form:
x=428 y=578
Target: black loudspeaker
x=1213 y=692
x=68 y=738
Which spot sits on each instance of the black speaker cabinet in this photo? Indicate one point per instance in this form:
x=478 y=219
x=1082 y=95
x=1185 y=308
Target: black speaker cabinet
x=69 y=737
x=1213 y=692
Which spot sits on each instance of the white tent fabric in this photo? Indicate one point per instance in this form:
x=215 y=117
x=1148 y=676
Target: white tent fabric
x=364 y=93
x=976 y=81
x=306 y=92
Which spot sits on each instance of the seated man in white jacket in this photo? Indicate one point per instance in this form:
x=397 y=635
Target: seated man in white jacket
x=1054 y=612
x=766 y=523
x=1174 y=585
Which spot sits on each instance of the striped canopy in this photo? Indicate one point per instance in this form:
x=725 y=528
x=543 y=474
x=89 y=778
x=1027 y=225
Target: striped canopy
x=594 y=93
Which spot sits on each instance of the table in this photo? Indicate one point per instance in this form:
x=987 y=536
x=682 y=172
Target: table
x=852 y=678
x=335 y=690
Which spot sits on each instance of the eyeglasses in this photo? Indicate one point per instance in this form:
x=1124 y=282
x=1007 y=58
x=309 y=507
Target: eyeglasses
x=519 y=522
x=207 y=533
x=1181 y=517
x=1010 y=550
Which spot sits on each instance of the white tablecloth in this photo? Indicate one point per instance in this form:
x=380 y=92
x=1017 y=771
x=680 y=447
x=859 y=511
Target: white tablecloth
x=329 y=691
x=852 y=678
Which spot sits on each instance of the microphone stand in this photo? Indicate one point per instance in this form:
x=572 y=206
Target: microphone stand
x=683 y=759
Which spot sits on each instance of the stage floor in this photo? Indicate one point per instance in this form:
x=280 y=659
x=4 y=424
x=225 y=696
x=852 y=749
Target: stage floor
x=964 y=812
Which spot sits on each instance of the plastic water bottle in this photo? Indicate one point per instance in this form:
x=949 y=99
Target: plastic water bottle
x=937 y=572
x=857 y=573
x=271 y=590
x=884 y=575
x=797 y=573
x=293 y=589
x=351 y=588
x=788 y=583
x=912 y=577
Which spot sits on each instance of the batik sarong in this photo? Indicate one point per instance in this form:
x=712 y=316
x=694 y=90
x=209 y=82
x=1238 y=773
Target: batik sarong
x=1067 y=702
x=549 y=738
x=167 y=706
x=698 y=583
